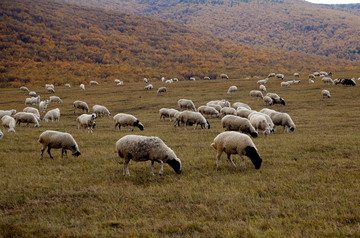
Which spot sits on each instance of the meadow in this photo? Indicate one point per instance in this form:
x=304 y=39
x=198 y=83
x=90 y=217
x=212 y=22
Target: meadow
x=308 y=184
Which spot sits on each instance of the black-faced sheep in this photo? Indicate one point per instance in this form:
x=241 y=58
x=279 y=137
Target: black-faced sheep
x=26 y=117
x=325 y=93
x=346 y=82
x=149 y=87
x=143 y=148
x=53 y=115
x=232 y=142
x=186 y=104
x=283 y=119
x=235 y=123
x=101 y=110
x=67 y=85
x=188 y=118
x=8 y=123
x=58 y=140
x=260 y=122
x=209 y=111
x=81 y=105
x=276 y=99
x=86 y=122
x=123 y=119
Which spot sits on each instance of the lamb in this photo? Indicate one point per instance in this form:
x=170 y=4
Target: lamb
x=325 y=93
x=8 y=123
x=167 y=113
x=43 y=105
x=256 y=94
x=235 y=123
x=94 y=83
x=267 y=100
x=232 y=89
x=67 y=85
x=143 y=148
x=56 y=140
x=149 y=87
x=260 y=122
x=86 y=121
x=276 y=99
x=82 y=86
x=161 y=90
x=7 y=112
x=101 y=110
x=26 y=117
x=233 y=142
x=24 y=89
x=81 y=105
x=123 y=119
x=227 y=111
x=55 y=99
x=32 y=110
x=186 y=104
x=207 y=110
x=236 y=105
x=189 y=118
x=53 y=114
x=262 y=88
x=283 y=119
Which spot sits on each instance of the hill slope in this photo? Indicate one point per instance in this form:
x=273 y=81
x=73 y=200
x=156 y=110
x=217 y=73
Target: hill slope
x=293 y=25
x=58 y=42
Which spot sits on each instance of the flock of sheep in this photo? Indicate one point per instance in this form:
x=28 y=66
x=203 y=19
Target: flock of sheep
x=237 y=119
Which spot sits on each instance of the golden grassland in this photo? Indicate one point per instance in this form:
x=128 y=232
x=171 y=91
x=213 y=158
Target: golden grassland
x=308 y=184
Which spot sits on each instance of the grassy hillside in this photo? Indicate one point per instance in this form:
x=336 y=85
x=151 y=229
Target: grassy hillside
x=46 y=41
x=307 y=185
x=291 y=25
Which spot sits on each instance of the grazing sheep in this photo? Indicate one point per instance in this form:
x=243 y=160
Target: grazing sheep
x=256 y=94
x=167 y=113
x=149 y=87
x=26 y=117
x=117 y=81
x=32 y=100
x=123 y=119
x=210 y=111
x=224 y=76
x=206 y=78
x=53 y=115
x=296 y=75
x=232 y=89
x=267 y=100
x=161 y=90
x=67 y=85
x=55 y=99
x=32 y=94
x=186 y=104
x=284 y=84
x=217 y=107
x=325 y=93
x=243 y=112
x=271 y=75
x=311 y=76
x=86 y=122
x=7 y=112
x=94 y=83
x=43 y=105
x=328 y=80
x=347 y=82
x=120 y=83
x=33 y=110
x=82 y=86
x=263 y=81
x=311 y=81
x=50 y=89
x=189 y=118
x=143 y=148
x=262 y=88
x=267 y=117
x=8 y=123
x=145 y=80
x=169 y=81
x=280 y=76
x=81 y=105
x=101 y=110
x=283 y=119
x=24 y=89
x=56 y=140
x=276 y=99
x=237 y=105
x=316 y=74
x=235 y=123
x=260 y=122
x=227 y=111
x=233 y=142
x=222 y=103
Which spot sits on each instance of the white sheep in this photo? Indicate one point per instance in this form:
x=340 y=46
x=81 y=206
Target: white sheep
x=262 y=88
x=67 y=85
x=143 y=148
x=55 y=99
x=283 y=119
x=117 y=81
x=311 y=81
x=243 y=112
x=56 y=140
x=32 y=100
x=50 y=89
x=237 y=105
x=146 y=80
x=296 y=75
x=43 y=105
x=86 y=122
x=81 y=105
x=256 y=94
x=284 y=84
x=26 y=117
x=263 y=81
x=167 y=113
x=186 y=104
x=222 y=103
x=149 y=87
x=260 y=122
x=53 y=115
x=217 y=107
x=32 y=94
x=267 y=117
x=325 y=93
x=276 y=99
x=328 y=80
x=232 y=89
x=101 y=110
x=8 y=123
x=271 y=75
x=279 y=76
x=224 y=76
x=123 y=119
x=188 y=118
x=94 y=83
x=233 y=142
x=235 y=123
x=227 y=111
x=208 y=111
x=169 y=81
x=7 y=112
x=82 y=86
x=33 y=110
x=24 y=89
x=267 y=100
x=161 y=90
x=120 y=83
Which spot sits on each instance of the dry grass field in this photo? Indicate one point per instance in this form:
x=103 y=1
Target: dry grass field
x=308 y=185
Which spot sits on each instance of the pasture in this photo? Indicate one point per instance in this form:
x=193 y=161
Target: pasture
x=308 y=184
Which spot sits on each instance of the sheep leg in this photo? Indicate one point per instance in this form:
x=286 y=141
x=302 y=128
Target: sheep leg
x=218 y=156
x=42 y=152
x=230 y=160
x=161 y=171
x=126 y=167
x=48 y=150
x=242 y=164
x=152 y=168
x=63 y=151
